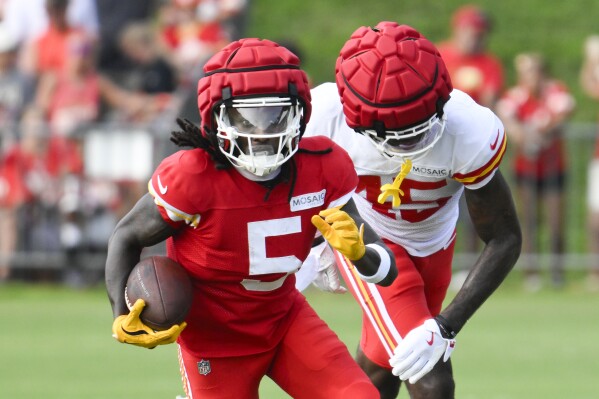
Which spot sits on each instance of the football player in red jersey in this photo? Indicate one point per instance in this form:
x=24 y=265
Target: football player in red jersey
x=416 y=143
x=240 y=212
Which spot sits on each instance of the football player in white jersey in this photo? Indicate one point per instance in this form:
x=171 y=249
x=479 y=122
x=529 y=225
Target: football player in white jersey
x=416 y=144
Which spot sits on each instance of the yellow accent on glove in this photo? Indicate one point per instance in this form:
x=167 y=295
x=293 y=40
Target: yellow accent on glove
x=129 y=329
x=393 y=190
x=341 y=232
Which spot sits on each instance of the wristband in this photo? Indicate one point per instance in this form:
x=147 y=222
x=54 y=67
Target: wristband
x=447 y=331
x=384 y=265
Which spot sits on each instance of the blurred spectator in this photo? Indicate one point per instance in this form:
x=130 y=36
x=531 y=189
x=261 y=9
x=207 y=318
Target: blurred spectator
x=28 y=19
x=191 y=32
x=69 y=100
x=15 y=89
x=114 y=16
x=233 y=16
x=473 y=69
x=152 y=73
x=534 y=112
x=70 y=97
x=48 y=52
x=152 y=79
x=40 y=25
x=477 y=72
x=25 y=184
x=589 y=80
x=72 y=93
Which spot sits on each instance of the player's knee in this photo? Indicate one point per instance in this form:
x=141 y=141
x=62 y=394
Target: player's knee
x=386 y=383
x=438 y=384
x=442 y=387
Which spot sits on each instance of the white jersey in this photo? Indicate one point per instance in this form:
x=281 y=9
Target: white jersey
x=467 y=155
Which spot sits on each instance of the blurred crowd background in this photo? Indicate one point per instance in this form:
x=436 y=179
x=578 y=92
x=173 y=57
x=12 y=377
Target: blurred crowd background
x=90 y=89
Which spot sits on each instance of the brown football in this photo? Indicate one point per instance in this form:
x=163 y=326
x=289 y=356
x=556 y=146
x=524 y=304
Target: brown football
x=166 y=288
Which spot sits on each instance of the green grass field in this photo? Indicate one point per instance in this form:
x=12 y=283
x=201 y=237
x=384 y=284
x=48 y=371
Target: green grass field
x=55 y=343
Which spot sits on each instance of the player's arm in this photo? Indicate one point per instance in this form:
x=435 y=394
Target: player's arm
x=142 y=227
x=492 y=211
x=373 y=260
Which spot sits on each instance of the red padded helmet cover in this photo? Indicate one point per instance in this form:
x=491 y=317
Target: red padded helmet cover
x=251 y=67
x=390 y=74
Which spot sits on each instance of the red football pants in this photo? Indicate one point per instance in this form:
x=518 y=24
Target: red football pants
x=310 y=362
x=389 y=313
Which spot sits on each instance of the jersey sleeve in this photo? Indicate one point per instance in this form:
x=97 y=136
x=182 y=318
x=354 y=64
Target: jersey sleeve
x=326 y=109
x=480 y=149
x=170 y=188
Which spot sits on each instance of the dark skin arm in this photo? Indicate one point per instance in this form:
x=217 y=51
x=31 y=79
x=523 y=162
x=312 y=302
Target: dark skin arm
x=142 y=227
x=492 y=211
x=369 y=263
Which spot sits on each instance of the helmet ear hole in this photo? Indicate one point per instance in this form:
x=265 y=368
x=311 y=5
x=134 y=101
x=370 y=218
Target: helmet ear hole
x=379 y=128
x=226 y=93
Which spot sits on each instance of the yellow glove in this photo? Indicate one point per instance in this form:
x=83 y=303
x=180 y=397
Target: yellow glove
x=129 y=329
x=340 y=230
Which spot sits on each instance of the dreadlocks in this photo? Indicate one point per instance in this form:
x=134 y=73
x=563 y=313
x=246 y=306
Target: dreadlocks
x=191 y=136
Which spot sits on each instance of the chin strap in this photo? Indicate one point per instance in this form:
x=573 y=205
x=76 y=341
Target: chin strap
x=393 y=190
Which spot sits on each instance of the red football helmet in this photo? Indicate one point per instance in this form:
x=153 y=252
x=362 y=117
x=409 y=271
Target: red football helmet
x=255 y=100
x=393 y=85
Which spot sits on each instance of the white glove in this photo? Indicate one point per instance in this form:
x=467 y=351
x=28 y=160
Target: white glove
x=327 y=276
x=419 y=351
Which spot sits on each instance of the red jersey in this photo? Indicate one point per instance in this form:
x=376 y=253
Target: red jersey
x=212 y=33
x=18 y=167
x=52 y=49
x=26 y=175
x=475 y=74
x=74 y=103
x=554 y=99
x=241 y=242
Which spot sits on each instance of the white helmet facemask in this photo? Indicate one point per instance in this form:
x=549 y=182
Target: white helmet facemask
x=410 y=143
x=260 y=134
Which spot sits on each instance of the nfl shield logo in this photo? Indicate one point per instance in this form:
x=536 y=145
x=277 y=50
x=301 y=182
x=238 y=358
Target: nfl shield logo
x=204 y=367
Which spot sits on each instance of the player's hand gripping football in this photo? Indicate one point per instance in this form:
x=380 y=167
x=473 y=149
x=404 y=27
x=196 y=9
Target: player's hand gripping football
x=419 y=351
x=129 y=329
x=341 y=232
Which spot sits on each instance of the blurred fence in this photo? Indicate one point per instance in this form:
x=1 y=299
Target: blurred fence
x=60 y=229
x=118 y=161
x=580 y=144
